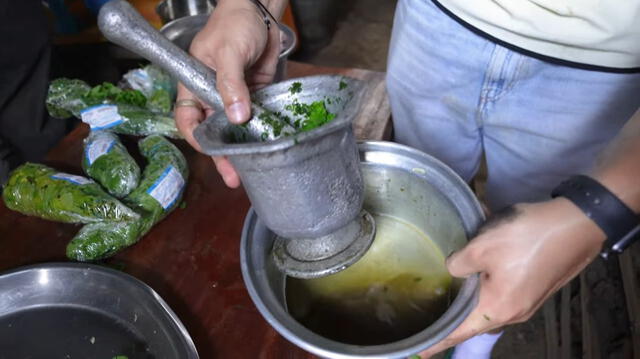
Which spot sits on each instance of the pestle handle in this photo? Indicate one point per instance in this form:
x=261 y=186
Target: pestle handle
x=120 y=23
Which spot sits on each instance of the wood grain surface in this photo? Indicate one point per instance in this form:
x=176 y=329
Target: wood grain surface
x=192 y=257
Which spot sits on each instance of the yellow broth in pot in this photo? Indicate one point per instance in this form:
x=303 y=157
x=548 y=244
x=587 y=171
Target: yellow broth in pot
x=397 y=289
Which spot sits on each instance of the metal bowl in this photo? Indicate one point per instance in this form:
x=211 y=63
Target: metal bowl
x=169 y=10
x=401 y=182
x=71 y=310
x=181 y=31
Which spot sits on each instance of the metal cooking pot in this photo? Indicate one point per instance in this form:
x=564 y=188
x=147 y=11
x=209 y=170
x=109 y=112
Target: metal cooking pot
x=181 y=32
x=169 y=10
x=401 y=182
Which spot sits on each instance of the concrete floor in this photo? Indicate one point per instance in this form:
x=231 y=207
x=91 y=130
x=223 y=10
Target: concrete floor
x=362 y=37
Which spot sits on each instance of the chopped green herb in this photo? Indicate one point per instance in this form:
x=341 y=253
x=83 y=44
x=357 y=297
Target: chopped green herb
x=120 y=357
x=343 y=85
x=239 y=133
x=295 y=88
x=486 y=317
x=301 y=116
x=313 y=115
x=415 y=356
x=417 y=279
x=277 y=124
x=183 y=204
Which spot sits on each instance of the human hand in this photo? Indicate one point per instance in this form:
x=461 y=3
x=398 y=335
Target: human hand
x=235 y=42
x=523 y=255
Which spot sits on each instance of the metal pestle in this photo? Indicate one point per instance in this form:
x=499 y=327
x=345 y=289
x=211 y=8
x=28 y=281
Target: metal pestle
x=307 y=187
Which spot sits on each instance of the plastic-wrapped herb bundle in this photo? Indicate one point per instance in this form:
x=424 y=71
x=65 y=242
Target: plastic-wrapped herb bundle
x=162 y=183
x=155 y=84
x=108 y=93
x=149 y=79
x=101 y=240
x=64 y=97
x=107 y=161
x=108 y=107
x=159 y=102
x=159 y=192
x=38 y=190
x=143 y=122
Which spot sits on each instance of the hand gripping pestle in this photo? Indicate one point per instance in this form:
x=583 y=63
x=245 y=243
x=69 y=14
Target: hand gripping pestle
x=306 y=187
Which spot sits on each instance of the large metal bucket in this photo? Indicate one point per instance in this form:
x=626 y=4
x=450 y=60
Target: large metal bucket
x=401 y=182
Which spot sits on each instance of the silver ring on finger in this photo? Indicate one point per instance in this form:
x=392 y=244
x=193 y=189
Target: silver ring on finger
x=188 y=103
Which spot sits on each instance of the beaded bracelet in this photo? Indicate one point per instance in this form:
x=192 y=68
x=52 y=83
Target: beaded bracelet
x=266 y=15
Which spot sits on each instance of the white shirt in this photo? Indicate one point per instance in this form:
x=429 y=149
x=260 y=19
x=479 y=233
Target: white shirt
x=602 y=33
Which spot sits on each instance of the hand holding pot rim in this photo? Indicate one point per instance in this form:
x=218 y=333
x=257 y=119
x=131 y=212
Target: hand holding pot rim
x=524 y=255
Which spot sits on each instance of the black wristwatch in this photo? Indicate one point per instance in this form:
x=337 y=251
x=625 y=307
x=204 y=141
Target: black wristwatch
x=617 y=221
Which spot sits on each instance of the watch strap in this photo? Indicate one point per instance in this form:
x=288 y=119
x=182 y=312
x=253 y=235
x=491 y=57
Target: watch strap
x=616 y=219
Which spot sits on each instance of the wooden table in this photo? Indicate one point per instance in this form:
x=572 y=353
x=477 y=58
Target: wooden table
x=192 y=257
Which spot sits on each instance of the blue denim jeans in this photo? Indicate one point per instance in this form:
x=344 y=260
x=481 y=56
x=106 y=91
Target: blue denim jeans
x=456 y=95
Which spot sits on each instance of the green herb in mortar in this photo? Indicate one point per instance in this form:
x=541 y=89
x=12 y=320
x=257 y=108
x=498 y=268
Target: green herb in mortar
x=276 y=123
x=313 y=115
x=295 y=88
x=304 y=117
